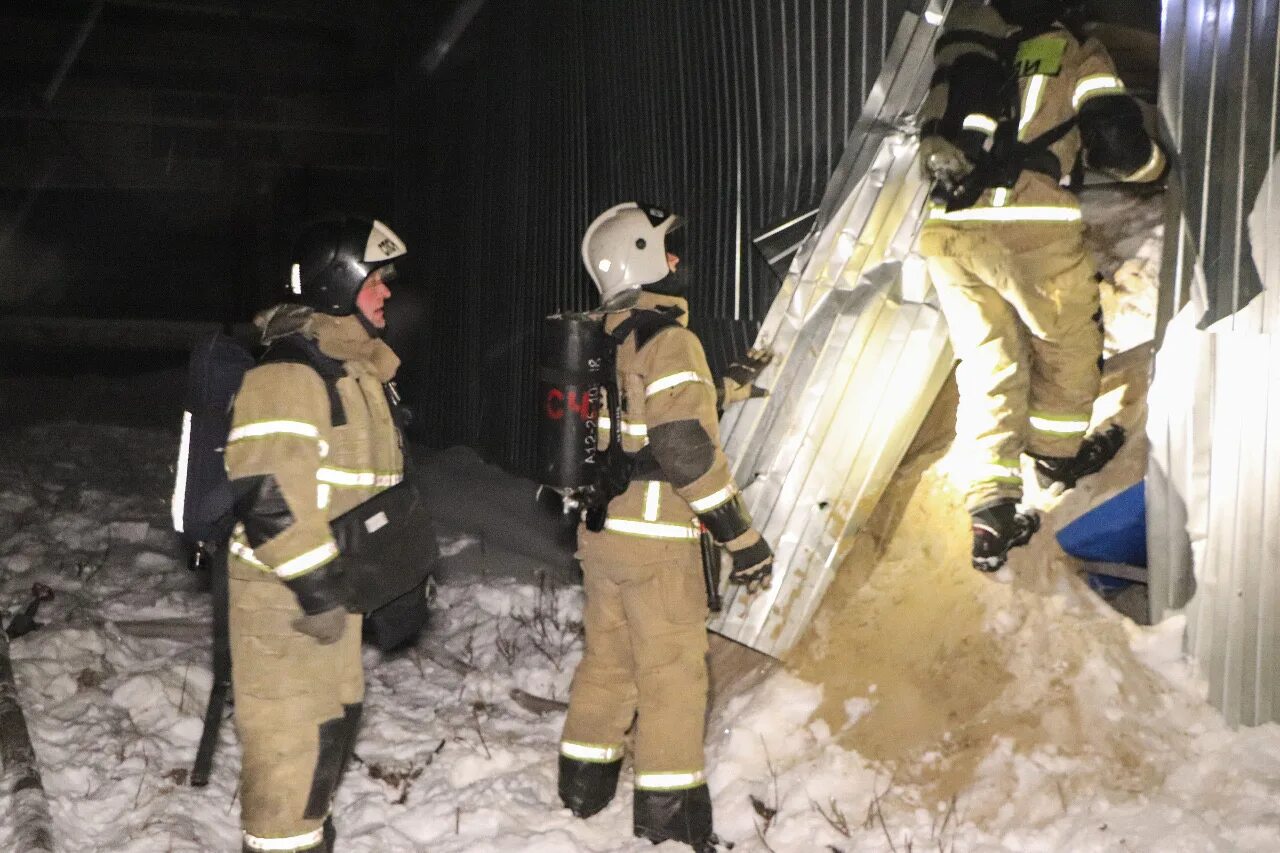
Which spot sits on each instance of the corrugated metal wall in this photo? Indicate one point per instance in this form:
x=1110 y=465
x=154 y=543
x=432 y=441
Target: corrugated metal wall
x=546 y=112
x=1214 y=477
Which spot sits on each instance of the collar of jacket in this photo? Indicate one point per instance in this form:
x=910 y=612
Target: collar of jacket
x=650 y=302
x=343 y=338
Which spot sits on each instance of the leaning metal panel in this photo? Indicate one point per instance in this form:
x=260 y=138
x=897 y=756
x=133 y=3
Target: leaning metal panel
x=860 y=351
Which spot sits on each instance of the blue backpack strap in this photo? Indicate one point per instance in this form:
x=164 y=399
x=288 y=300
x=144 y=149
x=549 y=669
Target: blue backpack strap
x=296 y=349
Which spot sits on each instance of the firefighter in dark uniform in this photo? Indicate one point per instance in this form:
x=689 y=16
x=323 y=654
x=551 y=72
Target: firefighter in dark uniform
x=296 y=669
x=1017 y=97
x=646 y=604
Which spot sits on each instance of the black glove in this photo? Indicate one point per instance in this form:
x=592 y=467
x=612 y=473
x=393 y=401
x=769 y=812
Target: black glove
x=752 y=561
x=326 y=627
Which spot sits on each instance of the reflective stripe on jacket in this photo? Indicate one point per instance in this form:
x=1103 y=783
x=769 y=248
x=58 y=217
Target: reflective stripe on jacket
x=1057 y=75
x=281 y=429
x=668 y=405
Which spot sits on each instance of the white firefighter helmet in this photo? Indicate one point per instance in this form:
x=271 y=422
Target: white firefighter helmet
x=625 y=248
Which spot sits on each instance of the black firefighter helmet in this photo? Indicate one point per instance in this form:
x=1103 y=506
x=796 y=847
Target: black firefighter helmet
x=331 y=260
x=1031 y=14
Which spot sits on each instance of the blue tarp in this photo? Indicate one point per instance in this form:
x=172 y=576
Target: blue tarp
x=1112 y=532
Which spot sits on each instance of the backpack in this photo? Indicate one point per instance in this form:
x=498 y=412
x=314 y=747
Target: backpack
x=201 y=502
x=202 y=497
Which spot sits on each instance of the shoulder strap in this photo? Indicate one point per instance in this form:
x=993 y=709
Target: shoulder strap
x=646 y=324
x=295 y=349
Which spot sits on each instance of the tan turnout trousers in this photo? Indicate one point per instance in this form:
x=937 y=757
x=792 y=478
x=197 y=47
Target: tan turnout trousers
x=1021 y=302
x=287 y=687
x=645 y=620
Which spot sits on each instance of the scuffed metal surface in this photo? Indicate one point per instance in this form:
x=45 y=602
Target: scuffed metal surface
x=860 y=353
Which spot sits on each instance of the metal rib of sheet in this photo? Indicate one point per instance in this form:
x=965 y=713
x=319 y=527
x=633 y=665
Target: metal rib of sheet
x=860 y=352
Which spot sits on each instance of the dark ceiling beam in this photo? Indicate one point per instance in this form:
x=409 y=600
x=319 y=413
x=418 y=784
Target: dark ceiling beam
x=453 y=30
x=140 y=120
x=23 y=80
x=324 y=15
x=73 y=50
x=147 y=56
x=69 y=174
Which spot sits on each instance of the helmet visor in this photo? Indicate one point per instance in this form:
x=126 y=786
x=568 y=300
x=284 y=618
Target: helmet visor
x=674 y=240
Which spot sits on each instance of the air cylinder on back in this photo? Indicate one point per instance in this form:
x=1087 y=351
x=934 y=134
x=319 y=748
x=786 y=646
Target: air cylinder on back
x=571 y=376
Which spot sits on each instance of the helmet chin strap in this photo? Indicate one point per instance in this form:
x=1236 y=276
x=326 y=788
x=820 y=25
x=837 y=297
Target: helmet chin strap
x=374 y=331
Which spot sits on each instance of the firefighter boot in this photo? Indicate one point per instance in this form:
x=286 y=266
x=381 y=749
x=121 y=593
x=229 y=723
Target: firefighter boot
x=998 y=527
x=1095 y=452
x=683 y=815
x=586 y=787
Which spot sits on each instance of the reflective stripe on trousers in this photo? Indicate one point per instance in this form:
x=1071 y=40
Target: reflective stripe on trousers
x=650 y=529
x=1000 y=471
x=673 y=781
x=284 y=845
x=591 y=752
x=1060 y=424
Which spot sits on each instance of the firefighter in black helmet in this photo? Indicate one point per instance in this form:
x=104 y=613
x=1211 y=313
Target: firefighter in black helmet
x=296 y=670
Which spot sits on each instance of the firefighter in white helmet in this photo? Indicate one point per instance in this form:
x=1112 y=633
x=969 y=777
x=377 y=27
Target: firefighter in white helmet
x=646 y=606
x=1017 y=97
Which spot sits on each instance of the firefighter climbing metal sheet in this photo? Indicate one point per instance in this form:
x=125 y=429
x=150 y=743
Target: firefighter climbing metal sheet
x=860 y=352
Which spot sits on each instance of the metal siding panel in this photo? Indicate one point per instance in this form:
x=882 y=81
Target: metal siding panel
x=1173 y=46
x=547 y=112
x=1234 y=620
x=1194 y=123
x=1268 y=558
x=851 y=359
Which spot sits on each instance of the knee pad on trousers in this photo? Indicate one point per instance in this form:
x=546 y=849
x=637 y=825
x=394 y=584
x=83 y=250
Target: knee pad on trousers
x=674 y=816
x=337 y=738
x=586 y=787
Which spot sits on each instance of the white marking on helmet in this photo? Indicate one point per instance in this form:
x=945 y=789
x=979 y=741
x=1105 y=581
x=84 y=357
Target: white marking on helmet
x=383 y=244
x=295 y=279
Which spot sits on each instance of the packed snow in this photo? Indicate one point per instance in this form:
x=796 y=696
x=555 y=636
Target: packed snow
x=930 y=708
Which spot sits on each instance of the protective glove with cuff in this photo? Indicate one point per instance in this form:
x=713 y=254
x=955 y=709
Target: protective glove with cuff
x=752 y=561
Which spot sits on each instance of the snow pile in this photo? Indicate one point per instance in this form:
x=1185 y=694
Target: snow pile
x=1022 y=700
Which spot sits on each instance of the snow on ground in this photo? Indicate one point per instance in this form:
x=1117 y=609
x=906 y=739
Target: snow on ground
x=930 y=709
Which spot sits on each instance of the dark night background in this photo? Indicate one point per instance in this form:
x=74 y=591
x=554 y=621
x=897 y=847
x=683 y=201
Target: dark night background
x=157 y=157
